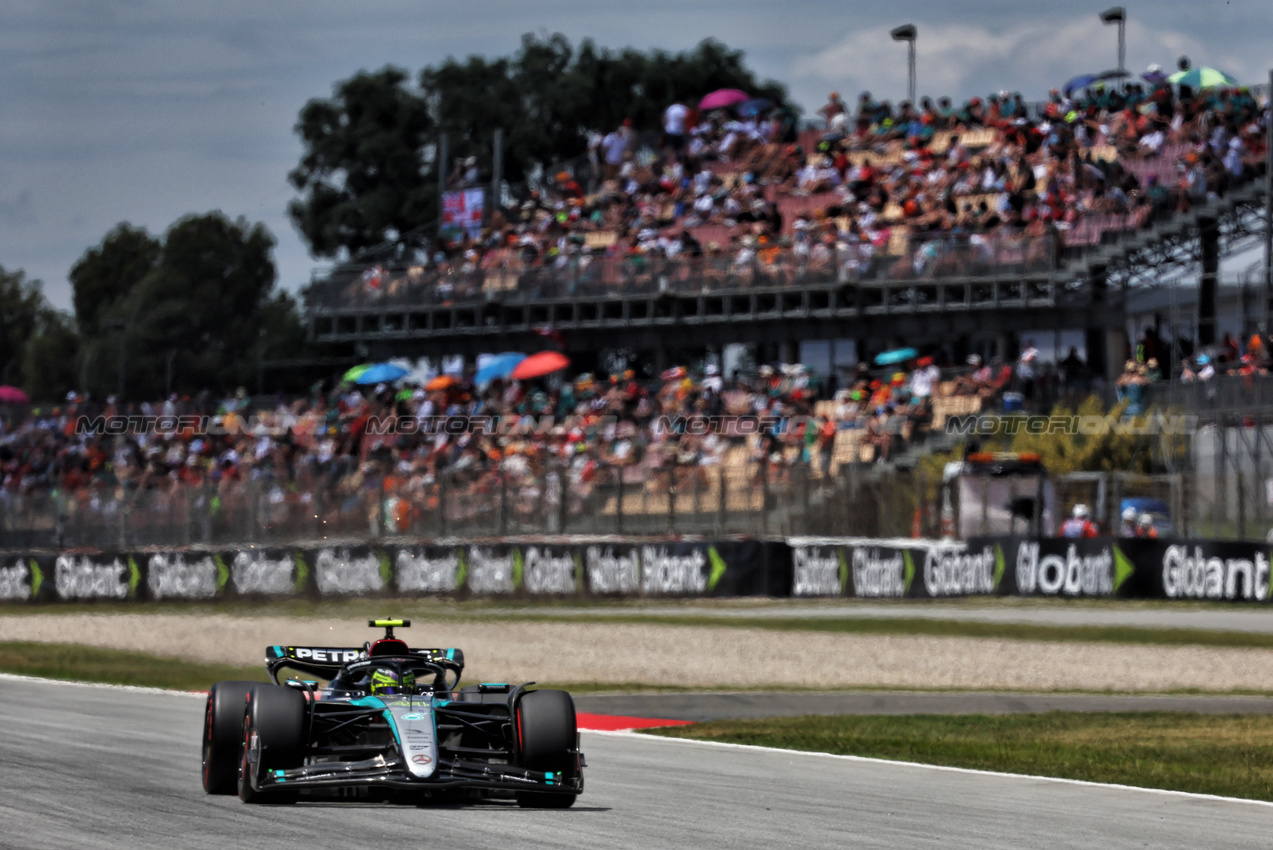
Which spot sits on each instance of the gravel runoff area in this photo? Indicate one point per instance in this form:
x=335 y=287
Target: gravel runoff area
x=685 y=656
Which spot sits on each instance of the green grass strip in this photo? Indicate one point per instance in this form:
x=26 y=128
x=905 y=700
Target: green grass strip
x=117 y=667
x=1229 y=755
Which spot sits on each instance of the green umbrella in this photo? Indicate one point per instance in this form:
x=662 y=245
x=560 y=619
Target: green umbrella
x=1201 y=78
x=355 y=373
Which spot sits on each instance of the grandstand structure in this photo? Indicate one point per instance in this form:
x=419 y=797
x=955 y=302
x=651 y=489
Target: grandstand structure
x=960 y=290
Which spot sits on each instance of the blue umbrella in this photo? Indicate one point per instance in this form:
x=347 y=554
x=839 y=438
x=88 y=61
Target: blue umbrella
x=897 y=355
x=755 y=106
x=499 y=366
x=380 y=373
x=1079 y=82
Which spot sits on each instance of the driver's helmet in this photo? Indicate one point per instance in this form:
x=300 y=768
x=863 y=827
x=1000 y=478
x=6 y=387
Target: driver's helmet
x=388 y=682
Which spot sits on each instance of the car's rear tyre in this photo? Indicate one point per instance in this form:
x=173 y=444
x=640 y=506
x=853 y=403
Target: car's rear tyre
x=546 y=737
x=275 y=717
x=222 y=727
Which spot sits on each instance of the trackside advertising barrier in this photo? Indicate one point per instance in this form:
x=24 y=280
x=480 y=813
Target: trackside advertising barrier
x=572 y=569
x=606 y=568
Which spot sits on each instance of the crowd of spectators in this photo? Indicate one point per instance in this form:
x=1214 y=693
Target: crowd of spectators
x=916 y=189
x=353 y=458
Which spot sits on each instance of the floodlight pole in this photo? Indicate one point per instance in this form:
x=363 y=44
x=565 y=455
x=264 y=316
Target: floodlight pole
x=907 y=33
x=1118 y=15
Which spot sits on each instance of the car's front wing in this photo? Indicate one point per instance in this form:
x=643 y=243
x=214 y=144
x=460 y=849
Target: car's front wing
x=391 y=772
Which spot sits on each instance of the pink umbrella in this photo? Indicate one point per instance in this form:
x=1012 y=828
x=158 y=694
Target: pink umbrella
x=721 y=98
x=13 y=395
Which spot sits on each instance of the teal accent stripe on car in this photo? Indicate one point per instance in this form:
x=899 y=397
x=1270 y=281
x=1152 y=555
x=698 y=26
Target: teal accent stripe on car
x=377 y=702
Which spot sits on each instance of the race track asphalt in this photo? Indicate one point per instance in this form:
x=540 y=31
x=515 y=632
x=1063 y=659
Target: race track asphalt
x=100 y=768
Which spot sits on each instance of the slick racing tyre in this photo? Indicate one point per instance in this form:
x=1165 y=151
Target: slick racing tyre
x=222 y=726
x=273 y=738
x=546 y=737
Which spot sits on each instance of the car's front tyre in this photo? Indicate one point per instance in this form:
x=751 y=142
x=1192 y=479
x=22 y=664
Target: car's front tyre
x=222 y=726
x=547 y=734
x=273 y=738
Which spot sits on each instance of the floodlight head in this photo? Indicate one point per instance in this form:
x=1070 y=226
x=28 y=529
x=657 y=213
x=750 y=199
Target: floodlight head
x=1115 y=15
x=906 y=32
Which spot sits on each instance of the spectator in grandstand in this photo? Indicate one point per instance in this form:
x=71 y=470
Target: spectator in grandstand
x=1027 y=370
x=675 y=119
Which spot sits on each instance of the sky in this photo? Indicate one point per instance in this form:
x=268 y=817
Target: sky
x=145 y=111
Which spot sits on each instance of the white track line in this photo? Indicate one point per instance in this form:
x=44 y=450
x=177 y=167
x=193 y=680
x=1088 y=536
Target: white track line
x=630 y=733
x=136 y=689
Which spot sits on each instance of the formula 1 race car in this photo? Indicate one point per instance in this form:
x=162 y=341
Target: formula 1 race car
x=388 y=718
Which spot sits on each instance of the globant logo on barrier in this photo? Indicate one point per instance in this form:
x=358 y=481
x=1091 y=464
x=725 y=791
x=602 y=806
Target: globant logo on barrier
x=1199 y=577
x=419 y=573
x=994 y=425
x=14 y=585
x=664 y=573
x=875 y=575
x=80 y=578
x=340 y=573
x=1089 y=575
x=612 y=573
x=175 y=577
x=955 y=572
x=816 y=571
x=254 y=573
x=490 y=573
x=545 y=573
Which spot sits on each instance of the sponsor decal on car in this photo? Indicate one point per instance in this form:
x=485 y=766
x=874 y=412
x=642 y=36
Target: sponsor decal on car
x=422 y=759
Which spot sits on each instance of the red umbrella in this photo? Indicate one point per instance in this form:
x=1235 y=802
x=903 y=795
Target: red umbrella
x=543 y=363
x=721 y=98
x=13 y=395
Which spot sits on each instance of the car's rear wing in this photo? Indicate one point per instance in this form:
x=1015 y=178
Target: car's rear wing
x=326 y=661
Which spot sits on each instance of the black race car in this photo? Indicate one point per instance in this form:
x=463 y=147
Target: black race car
x=388 y=717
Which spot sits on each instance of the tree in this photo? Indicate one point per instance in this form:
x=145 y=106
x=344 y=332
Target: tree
x=109 y=271
x=197 y=319
x=52 y=355
x=22 y=303
x=363 y=174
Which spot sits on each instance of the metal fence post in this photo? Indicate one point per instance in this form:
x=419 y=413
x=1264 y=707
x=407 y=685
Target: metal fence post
x=671 y=498
x=618 y=503
x=764 y=494
x=720 y=499
x=442 y=503
x=503 y=504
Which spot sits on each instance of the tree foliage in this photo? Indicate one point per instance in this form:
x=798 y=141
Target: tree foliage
x=198 y=318
x=22 y=307
x=362 y=176
x=368 y=175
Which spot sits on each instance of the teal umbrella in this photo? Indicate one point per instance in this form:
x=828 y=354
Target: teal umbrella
x=897 y=355
x=1201 y=78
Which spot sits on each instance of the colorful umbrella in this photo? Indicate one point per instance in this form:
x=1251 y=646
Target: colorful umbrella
x=755 y=106
x=897 y=355
x=543 y=363
x=13 y=395
x=721 y=98
x=498 y=366
x=353 y=374
x=1201 y=78
x=441 y=382
x=380 y=373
